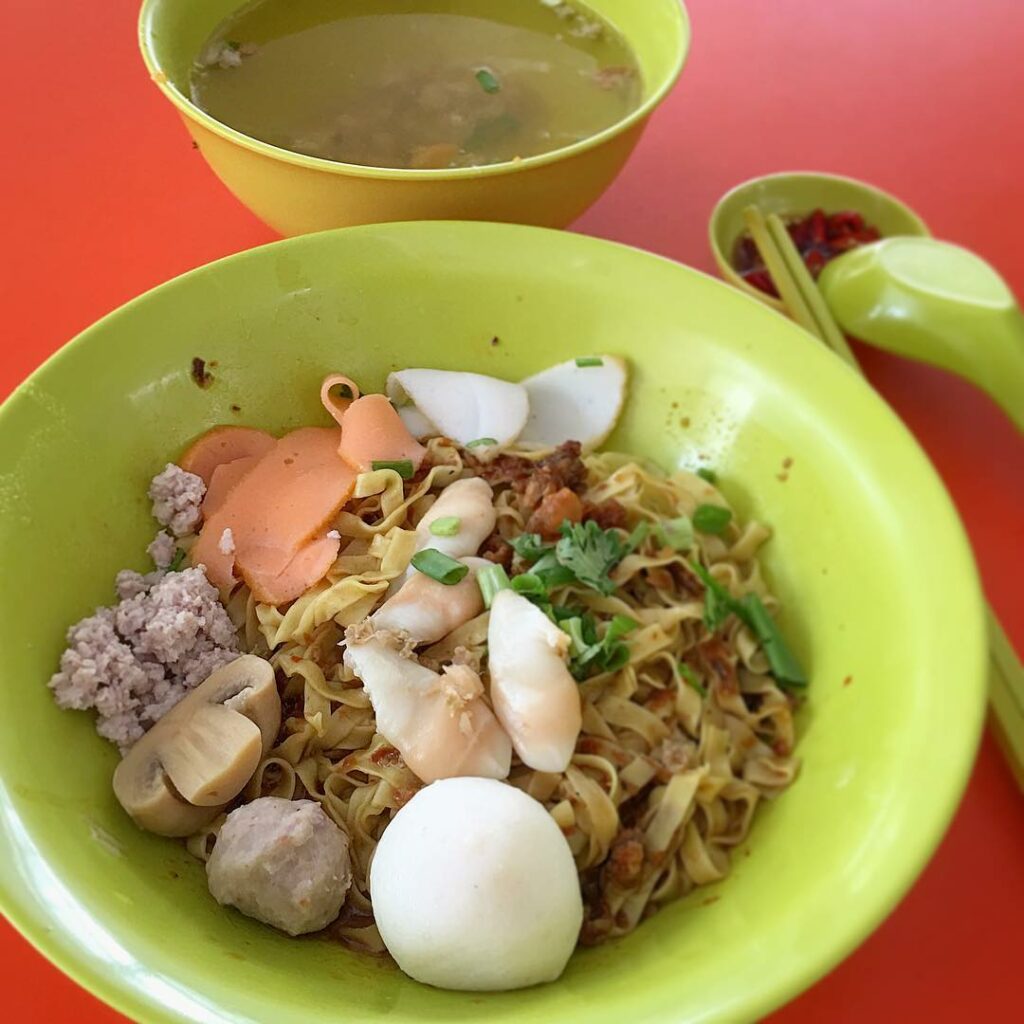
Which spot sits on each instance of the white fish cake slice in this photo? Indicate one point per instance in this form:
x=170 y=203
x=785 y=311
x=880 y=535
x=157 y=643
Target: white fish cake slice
x=569 y=402
x=466 y=407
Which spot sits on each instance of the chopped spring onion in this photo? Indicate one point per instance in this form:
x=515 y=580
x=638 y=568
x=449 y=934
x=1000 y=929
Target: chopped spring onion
x=403 y=467
x=529 y=585
x=783 y=663
x=719 y=604
x=706 y=473
x=482 y=442
x=619 y=627
x=177 y=561
x=691 y=679
x=491 y=579
x=574 y=627
x=439 y=566
x=584 y=361
x=711 y=518
x=446 y=526
x=639 y=535
x=591 y=655
x=675 y=533
x=487 y=81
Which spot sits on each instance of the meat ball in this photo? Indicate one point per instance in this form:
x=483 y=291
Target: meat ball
x=474 y=887
x=282 y=862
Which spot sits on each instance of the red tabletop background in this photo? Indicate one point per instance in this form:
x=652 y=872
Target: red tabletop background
x=104 y=197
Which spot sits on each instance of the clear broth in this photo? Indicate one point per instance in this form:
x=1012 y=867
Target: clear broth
x=417 y=83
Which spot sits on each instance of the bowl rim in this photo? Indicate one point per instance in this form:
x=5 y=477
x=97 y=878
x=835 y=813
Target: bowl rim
x=722 y=258
x=684 y=35
x=919 y=845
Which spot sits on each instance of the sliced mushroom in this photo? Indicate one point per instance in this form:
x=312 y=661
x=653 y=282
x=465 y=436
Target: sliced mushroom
x=467 y=407
x=211 y=749
x=201 y=754
x=426 y=610
x=578 y=400
x=439 y=723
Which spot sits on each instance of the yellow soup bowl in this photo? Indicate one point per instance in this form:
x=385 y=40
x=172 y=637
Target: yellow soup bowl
x=295 y=194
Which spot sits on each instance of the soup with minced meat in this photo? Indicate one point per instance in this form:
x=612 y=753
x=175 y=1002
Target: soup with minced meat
x=417 y=83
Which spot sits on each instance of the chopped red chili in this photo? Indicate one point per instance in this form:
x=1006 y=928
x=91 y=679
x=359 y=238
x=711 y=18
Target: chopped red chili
x=819 y=236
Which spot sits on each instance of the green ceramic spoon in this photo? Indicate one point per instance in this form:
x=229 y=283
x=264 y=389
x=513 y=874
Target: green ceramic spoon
x=937 y=303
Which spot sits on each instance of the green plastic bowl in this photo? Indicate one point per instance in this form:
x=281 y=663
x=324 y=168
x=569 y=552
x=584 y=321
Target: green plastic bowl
x=797 y=193
x=881 y=596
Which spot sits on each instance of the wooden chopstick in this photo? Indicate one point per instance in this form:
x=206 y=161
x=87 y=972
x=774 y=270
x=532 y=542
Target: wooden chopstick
x=1006 y=694
x=829 y=331
x=809 y=309
x=788 y=291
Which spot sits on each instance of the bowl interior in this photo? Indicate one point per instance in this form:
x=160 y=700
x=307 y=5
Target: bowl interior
x=798 y=194
x=869 y=559
x=172 y=33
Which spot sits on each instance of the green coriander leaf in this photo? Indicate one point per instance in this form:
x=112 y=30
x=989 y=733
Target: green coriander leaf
x=557 y=577
x=592 y=654
x=403 y=467
x=711 y=519
x=618 y=658
x=550 y=572
x=718 y=602
x=529 y=546
x=482 y=442
x=439 y=566
x=706 y=473
x=584 y=361
x=590 y=553
x=177 y=561
x=488 y=82
x=446 y=526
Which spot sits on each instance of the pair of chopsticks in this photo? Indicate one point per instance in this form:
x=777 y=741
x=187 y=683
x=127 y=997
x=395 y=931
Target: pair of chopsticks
x=808 y=308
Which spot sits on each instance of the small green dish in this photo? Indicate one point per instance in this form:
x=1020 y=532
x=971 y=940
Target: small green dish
x=797 y=193
x=879 y=589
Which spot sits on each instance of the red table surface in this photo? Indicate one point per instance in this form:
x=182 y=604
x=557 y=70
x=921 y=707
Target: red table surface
x=105 y=198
